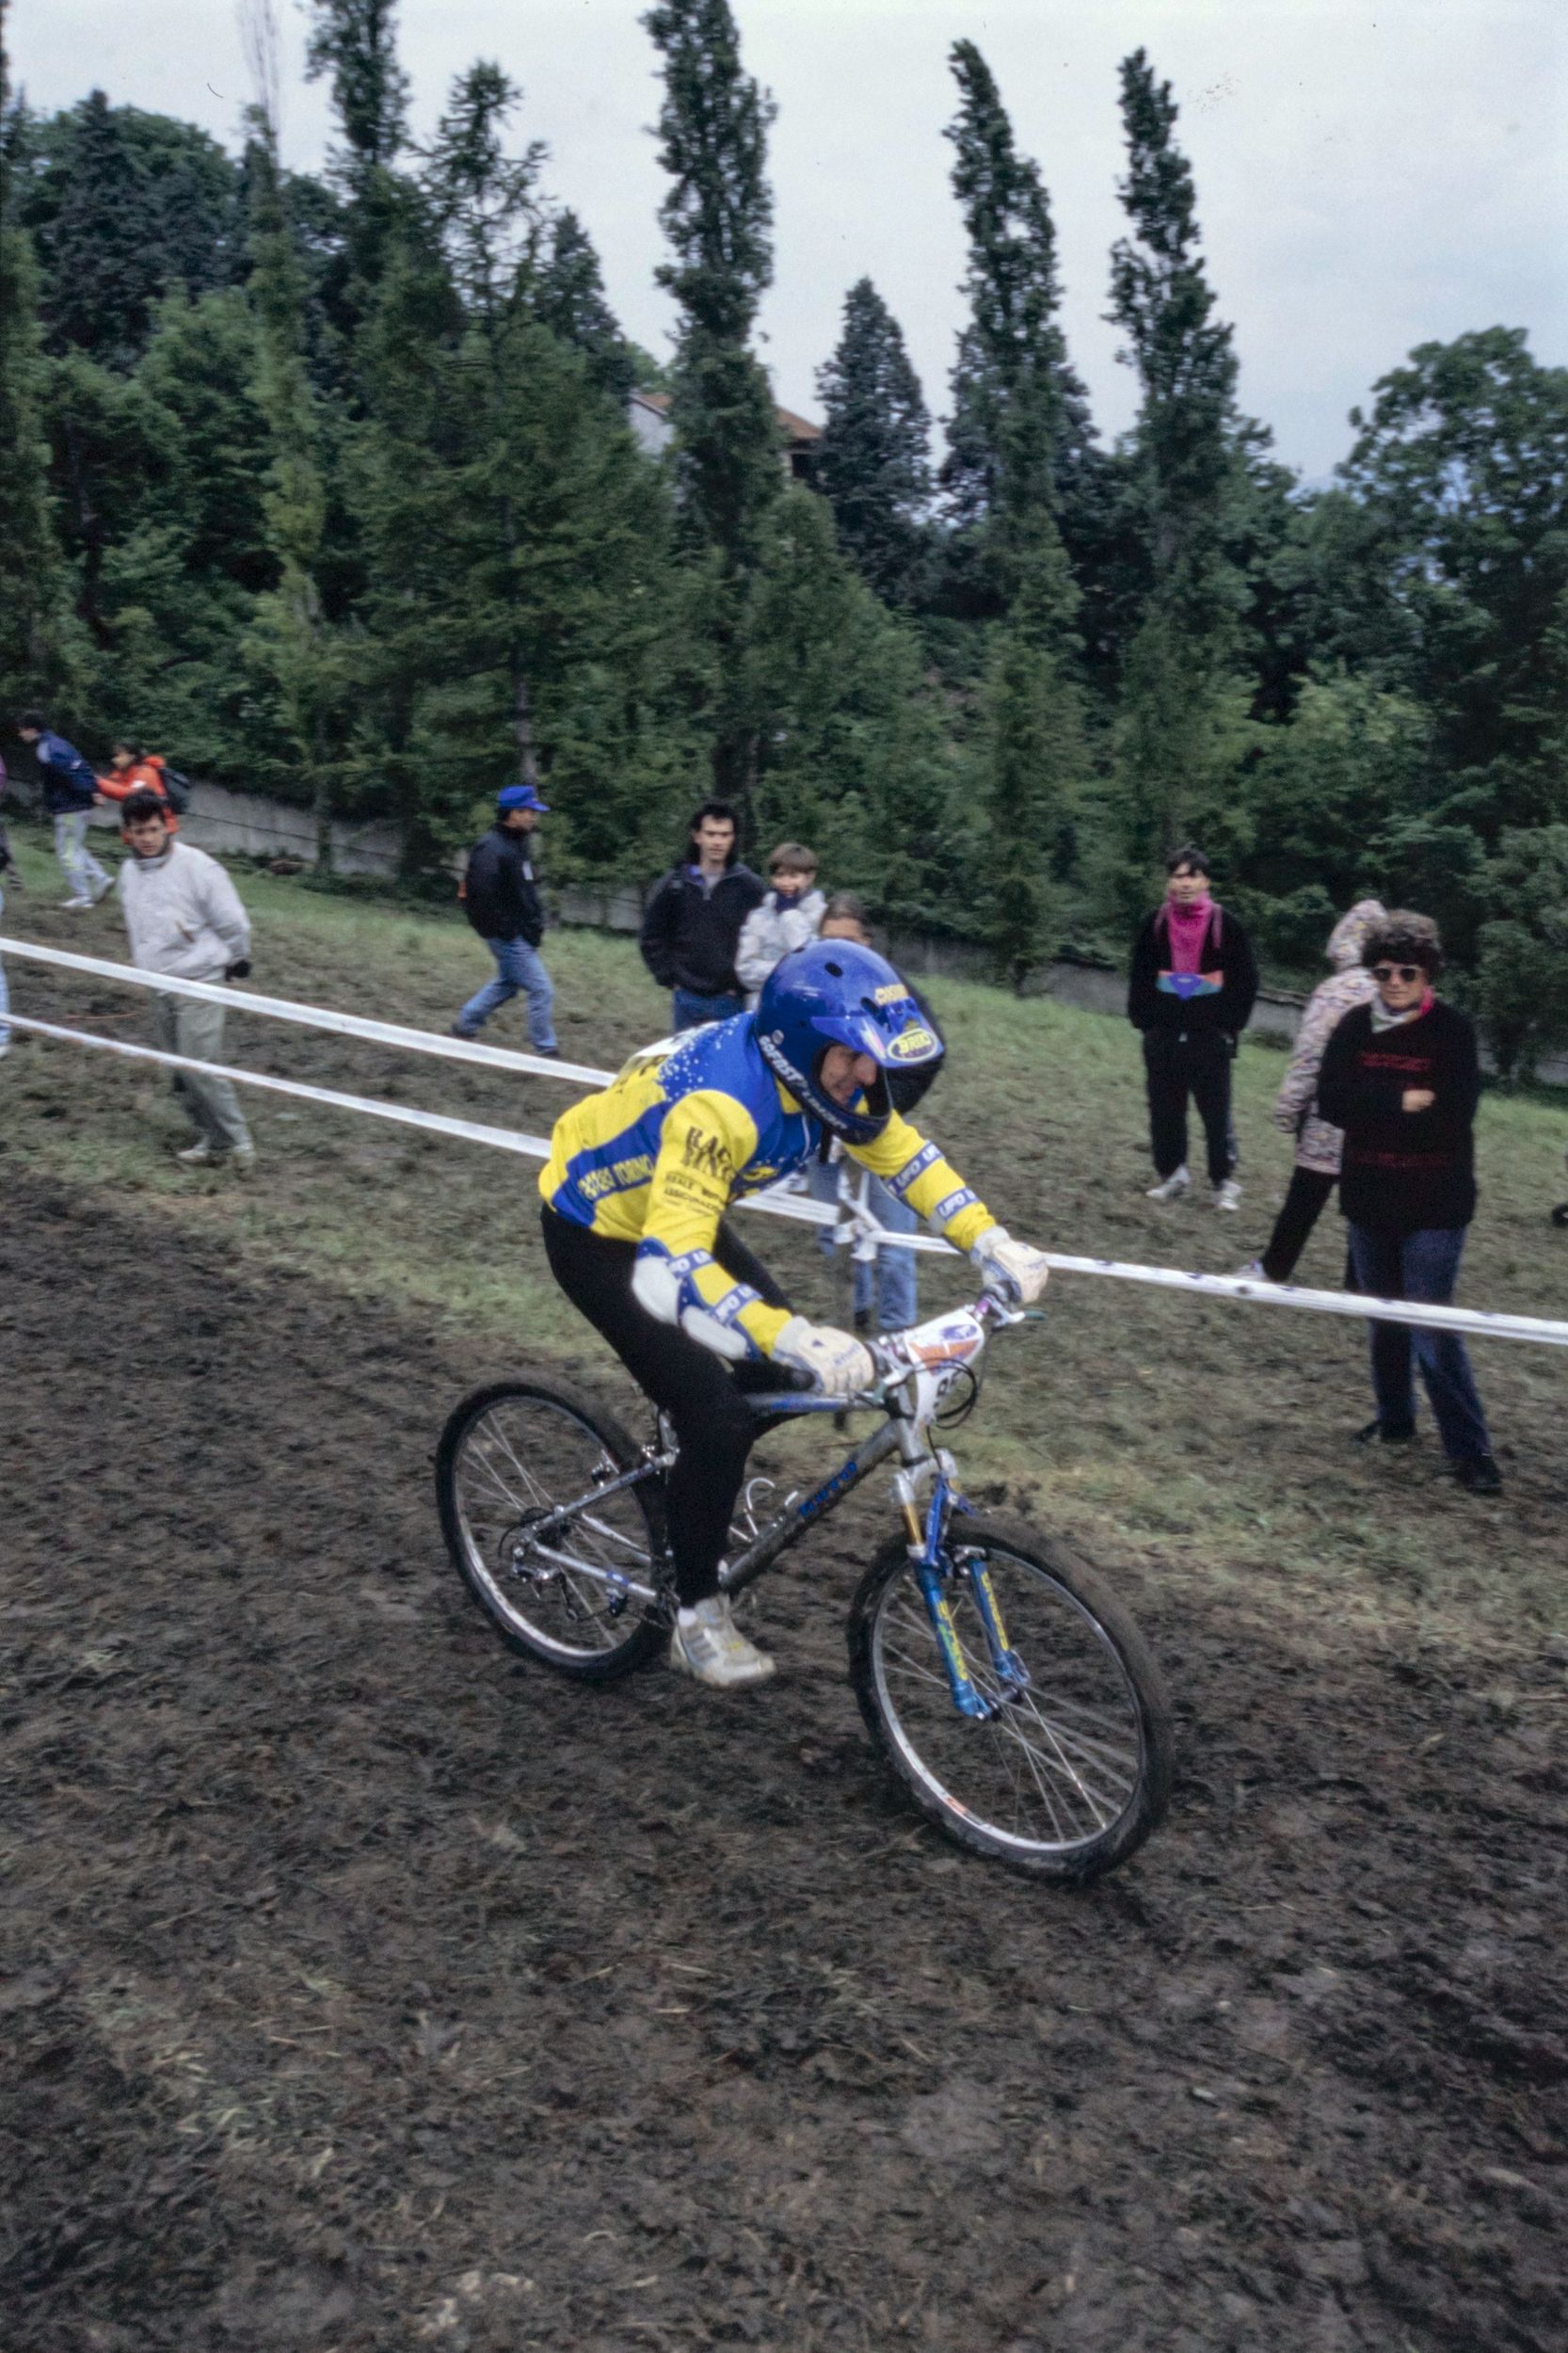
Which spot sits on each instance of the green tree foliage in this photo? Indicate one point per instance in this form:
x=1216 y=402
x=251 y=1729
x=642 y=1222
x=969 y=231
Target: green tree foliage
x=353 y=46
x=125 y=206
x=566 y=295
x=32 y=593
x=718 y=215
x=521 y=612
x=1522 y=964
x=1177 y=729
x=851 y=758
x=873 y=462
x=1326 y=793
x=1015 y=400
x=1037 y=760
x=355 y=42
x=1457 y=521
x=324 y=486
x=289 y=642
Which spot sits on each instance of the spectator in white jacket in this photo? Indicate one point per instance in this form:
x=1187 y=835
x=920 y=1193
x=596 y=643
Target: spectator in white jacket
x=184 y=918
x=1318 y=1144
x=789 y=917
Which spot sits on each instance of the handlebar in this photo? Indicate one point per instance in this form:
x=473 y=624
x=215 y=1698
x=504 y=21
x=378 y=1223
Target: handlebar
x=987 y=1308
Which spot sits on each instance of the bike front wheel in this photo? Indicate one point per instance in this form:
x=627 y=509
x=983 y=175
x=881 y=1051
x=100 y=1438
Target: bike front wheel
x=1068 y=1768
x=576 y=1589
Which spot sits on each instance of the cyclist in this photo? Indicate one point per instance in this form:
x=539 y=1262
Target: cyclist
x=636 y=1189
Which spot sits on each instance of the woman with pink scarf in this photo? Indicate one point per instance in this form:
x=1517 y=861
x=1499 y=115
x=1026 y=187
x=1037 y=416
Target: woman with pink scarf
x=1192 y=985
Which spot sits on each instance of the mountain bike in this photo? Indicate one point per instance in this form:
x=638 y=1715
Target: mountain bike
x=1003 y=1685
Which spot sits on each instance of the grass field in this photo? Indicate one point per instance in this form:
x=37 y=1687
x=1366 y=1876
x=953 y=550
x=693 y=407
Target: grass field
x=1208 y=1442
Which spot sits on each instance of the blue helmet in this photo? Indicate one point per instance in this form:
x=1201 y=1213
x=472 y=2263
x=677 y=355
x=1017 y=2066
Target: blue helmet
x=835 y=993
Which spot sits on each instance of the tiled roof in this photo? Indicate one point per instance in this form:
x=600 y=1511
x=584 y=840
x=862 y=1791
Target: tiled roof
x=795 y=429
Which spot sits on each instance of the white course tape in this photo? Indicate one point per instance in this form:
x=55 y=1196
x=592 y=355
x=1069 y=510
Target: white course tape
x=471 y=1131
x=1478 y=1320
x=314 y=1017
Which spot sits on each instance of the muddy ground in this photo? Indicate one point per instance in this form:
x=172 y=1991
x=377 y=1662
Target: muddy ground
x=366 y=1988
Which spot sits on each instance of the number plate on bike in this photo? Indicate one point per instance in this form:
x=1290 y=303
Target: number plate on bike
x=938 y=1352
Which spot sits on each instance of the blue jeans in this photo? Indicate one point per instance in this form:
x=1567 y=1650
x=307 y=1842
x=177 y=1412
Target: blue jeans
x=887 y=1282
x=77 y=863
x=518 y=967
x=1420 y=1265
x=688 y=1009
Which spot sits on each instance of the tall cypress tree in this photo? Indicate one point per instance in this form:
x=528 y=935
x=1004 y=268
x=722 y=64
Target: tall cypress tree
x=1179 y=702
x=874 y=461
x=487 y=202
x=354 y=42
x=291 y=638
x=31 y=587
x=718 y=214
x=1016 y=402
x=1018 y=407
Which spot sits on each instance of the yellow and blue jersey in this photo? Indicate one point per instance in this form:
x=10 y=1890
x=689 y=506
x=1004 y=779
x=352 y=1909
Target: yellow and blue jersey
x=688 y=1126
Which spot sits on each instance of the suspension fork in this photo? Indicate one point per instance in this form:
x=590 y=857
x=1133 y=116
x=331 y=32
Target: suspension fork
x=934 y=1567
x=930 y=1565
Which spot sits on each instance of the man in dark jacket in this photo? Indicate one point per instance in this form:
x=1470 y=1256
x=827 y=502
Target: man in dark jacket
x=500 y=899
x=1193 y=983
x=692 y=923
x=69 y=789
x=1401 y=1077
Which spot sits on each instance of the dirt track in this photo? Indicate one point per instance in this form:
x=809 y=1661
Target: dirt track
x=365 y=1989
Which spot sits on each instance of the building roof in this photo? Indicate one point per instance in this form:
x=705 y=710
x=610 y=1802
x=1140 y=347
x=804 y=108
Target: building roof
x=795 y=429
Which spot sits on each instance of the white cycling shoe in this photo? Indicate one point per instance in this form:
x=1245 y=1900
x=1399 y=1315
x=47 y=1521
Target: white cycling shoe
x=708 y=1645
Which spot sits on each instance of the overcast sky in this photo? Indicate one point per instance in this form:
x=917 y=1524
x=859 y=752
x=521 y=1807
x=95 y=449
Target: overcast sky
x=1370 y=173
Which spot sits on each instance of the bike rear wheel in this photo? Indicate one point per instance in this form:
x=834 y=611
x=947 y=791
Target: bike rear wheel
x=584 y=1598
x=1068 y=1771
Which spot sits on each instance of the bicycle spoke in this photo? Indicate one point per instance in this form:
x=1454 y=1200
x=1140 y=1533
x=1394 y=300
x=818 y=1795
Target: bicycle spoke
x=1055 y=1762
x=577 y=1596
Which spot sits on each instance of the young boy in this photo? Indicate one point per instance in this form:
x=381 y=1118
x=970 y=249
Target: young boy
x=787 y=919
x=887 y=1283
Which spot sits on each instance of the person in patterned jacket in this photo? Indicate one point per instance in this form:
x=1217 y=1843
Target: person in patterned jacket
x=1318 y=1144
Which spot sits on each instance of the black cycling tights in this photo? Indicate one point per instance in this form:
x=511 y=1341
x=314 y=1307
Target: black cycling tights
x=700 y=1392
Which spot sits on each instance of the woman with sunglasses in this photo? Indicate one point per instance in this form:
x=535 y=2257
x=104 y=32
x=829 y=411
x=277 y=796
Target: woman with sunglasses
x=1401 y=1077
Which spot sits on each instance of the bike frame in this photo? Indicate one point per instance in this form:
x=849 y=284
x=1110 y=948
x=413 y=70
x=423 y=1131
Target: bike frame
x=926 y=1489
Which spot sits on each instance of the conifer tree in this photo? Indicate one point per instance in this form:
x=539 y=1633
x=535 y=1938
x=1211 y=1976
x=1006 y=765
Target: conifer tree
x=31 y=587
x=1018 y=405
x=1016 y=402
x=874 y=461
x=853 y=759
x=568 y=296
x=355 y=43
x=290 y=640
x=123 y=206
x=1036 y=757
x=486 y=203
x=718 y=214
x=1178 y=727
x=516 y=537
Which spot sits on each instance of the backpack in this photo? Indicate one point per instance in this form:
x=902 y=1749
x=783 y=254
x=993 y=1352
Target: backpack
x=179 y=789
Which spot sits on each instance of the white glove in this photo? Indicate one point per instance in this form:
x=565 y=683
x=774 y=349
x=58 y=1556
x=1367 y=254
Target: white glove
x=835 y=1360
x=1011 y=1269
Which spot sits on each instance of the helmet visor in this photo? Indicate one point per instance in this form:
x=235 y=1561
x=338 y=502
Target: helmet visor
x=889 y=1026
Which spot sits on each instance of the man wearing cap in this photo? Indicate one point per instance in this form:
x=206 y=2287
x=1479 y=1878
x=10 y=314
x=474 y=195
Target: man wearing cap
x=500 y=899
